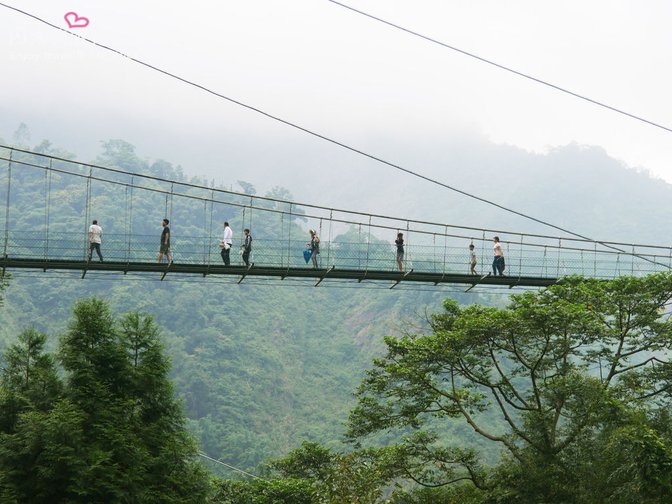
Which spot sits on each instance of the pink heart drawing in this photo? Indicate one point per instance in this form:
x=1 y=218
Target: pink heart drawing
x=75 y=21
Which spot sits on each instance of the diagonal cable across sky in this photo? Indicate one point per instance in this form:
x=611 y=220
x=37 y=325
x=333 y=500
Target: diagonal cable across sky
x=503 y=67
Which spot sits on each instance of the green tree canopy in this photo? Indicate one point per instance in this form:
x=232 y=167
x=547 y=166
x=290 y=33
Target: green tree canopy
x=28 y=378
x=562 y=379
x=112 y=431
x=312 y=474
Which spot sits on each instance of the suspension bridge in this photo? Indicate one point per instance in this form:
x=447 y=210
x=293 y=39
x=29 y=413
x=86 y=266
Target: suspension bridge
x=50 y=202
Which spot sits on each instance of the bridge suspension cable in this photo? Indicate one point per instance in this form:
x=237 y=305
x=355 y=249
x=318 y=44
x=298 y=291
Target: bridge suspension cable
x=492 y=290
x=233 y=468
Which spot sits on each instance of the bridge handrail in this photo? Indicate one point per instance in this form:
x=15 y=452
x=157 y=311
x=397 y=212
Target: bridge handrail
x=307 y=205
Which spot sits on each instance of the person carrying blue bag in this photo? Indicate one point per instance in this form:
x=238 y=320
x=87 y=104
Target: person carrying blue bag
x=314 y=248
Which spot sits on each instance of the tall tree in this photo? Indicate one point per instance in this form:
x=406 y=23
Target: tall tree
x=28 y=379
x=115 y=433
x=157 y=417
x=355 y=477
x=29 y=388
x=554 y=367
x=122 y=154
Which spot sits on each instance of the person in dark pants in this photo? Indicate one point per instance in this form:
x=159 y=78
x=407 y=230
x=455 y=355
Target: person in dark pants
x=472 y=259
x=498 y=261
x=247 y=246
x=399 y=242
x=314 y=246
x=95 y=239
x=165 y=243
x=226 y=243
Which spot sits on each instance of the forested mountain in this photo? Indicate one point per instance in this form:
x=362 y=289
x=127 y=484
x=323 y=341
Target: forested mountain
x=262 y=367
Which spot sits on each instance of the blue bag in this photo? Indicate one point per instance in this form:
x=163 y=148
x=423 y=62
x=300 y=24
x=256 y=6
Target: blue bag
x=306 y=255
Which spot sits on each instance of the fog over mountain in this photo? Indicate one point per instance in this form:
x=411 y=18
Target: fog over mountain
x=576 y=187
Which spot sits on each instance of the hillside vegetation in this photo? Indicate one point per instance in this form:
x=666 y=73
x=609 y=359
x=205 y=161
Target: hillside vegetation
x=262 y=367
x=259 y=366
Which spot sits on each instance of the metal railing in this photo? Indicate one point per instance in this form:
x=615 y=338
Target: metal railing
x=521 y=260
x=350 y=239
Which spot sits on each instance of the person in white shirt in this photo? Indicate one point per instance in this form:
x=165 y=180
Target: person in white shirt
x=95 y=239
x=226 y=243
x=472 y=259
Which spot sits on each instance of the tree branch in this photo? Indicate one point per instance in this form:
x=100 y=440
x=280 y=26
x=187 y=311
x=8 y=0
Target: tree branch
x=512 y=448
x=617 y=355
x=635 y=366
x=655 y=392
x=514 y=427
x=436 y=485
x=474 y=378
x=508 y=383
x=517 y=354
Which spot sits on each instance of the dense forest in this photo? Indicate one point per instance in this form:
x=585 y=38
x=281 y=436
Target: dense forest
x=330 y=394
x=259 y=368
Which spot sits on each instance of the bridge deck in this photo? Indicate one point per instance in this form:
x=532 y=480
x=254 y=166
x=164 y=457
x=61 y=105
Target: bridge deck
x=270 y=271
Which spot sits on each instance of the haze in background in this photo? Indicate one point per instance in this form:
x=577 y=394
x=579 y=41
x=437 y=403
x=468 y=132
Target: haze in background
x=314 y=63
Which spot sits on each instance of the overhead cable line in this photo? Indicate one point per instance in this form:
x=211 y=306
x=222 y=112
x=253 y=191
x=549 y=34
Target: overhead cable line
x=230 y=466
x=503 y=67
x=315 y=134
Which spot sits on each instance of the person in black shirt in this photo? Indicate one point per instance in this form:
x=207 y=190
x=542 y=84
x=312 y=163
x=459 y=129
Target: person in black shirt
x=247 y=246
x=165 y=243
x=400 y=250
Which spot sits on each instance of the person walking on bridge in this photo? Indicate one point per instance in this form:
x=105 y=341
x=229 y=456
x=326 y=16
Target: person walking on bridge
x=472 y=259
x=314 y=246
x=498 y=261
x=247 y=246
x=164 y=248
x=95 y=239
x=225 y=244
x=399 y=242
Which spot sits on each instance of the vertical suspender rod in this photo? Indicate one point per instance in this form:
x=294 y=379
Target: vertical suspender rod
x=9 y=191
x=47 y=208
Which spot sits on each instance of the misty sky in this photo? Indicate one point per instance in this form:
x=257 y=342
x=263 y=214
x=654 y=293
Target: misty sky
x=340 y=74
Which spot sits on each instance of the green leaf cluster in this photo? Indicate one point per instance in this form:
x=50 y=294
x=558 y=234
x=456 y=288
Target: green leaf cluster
x=314 y=474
